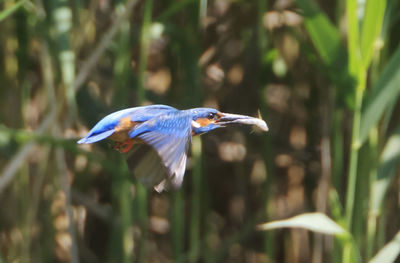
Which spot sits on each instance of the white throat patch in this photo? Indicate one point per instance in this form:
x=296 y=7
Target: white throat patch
x=195 y=124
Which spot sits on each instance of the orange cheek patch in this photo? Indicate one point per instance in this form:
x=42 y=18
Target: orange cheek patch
x=204 y=122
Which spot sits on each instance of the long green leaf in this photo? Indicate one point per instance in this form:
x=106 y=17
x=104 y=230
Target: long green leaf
x=9 y=11
x=385 y=91
x=316 y=222
x=330 y=48
x=389 y=252
x=325 y=36
x=195 y=221
x=388 y=163
x=353 y=42
x=371 y=28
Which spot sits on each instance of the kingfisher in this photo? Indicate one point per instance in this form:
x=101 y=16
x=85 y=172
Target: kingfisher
x=156 y=138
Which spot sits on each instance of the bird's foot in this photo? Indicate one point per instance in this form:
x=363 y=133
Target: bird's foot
x=123 y=147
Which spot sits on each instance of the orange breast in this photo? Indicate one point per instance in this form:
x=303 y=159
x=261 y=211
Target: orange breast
x=122 y=130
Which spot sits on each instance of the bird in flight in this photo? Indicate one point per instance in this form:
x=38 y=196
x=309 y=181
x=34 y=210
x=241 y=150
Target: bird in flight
x=156 y=138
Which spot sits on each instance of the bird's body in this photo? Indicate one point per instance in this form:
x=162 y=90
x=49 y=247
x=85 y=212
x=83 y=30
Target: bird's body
x=156 y=138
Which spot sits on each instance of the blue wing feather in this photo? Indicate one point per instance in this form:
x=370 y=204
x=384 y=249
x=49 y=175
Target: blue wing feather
x=105 y=127
x=96 y=137
x=173 y=153
x=170 y=136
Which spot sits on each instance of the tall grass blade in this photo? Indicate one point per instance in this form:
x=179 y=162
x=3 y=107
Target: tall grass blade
x=122 y=241
x=178 y=226
x=141 y=198
x=142 y=213
x=385 y=91
x=122 y=64
x=145 y=39
x=324 y=35
x=353 y=38
x=62 y=16
x=373 y=157
x=358 y=72
x=371 y=28
x=123 y=235
x=125 y=204
x=328 y=44
x=195 y=218
x=11 y=10
x=202 y=12
x=387 y=168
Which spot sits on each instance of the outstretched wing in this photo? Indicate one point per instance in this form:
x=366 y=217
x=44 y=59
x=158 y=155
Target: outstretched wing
x=106 y=126
x=169 y=137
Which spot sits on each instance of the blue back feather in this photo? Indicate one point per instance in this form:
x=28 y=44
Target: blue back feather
x=105 y=127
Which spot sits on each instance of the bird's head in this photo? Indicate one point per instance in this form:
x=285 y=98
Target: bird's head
x=208 y=119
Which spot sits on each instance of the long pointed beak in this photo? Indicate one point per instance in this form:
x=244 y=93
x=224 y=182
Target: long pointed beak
x=228 y=118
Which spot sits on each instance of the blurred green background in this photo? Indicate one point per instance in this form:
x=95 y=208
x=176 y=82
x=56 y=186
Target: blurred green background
x=325 y=75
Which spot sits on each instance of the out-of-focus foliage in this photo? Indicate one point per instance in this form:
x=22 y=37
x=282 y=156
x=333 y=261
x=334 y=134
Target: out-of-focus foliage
x=324 y=75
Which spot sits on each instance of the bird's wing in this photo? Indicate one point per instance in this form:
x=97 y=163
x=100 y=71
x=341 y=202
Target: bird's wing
x=145 y=163
x=106 y=126
x=170 y=138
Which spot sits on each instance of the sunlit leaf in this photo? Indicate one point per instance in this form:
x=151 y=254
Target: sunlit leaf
x=353 y=42
x=372 y=25
x=316 y=222
x=384 y=92
x=389 y=252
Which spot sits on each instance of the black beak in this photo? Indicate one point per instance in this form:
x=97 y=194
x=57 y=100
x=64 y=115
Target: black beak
x=228 y=118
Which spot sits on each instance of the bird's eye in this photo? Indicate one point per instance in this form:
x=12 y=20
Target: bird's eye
x=211 y=116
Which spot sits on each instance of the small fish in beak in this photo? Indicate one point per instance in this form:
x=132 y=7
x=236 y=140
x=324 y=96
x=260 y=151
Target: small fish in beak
x=228 y=118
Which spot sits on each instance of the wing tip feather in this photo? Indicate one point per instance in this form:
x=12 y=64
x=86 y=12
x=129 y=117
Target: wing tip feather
x=91 y=138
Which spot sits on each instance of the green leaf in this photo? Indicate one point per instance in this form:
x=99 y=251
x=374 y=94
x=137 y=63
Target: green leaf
x=353 y=42
x=316 y=222
x=389 y=252
x=9 y=11
x=324 y=35
x=330 y=48
x=371 y=28
x=386 y=171
x=385 y=91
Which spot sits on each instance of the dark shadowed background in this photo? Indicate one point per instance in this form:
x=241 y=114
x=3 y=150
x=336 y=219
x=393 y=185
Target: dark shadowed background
x=325 y=75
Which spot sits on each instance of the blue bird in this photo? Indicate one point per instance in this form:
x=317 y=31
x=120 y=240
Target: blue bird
x=156 y=138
